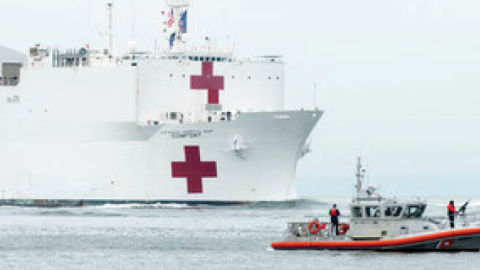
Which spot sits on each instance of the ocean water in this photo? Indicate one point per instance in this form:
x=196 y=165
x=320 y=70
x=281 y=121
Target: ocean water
x=186 y=237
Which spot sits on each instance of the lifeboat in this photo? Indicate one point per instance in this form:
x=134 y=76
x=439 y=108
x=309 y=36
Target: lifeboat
x=382 y=224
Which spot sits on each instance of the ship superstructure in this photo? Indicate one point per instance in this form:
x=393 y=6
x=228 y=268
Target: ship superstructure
x=181 y=124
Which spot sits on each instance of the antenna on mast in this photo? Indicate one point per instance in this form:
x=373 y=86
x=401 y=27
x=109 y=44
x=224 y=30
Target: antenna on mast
x=110 y=27
x=359 y=174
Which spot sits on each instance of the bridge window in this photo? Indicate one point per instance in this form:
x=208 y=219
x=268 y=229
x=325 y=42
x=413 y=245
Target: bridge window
x=414 y=211
x=201 y=58
x=372 y=211
x=249 y=77
x=357 y=211
x=10 y=73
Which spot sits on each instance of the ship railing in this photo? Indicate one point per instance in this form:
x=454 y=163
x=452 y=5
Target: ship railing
x=461 y=220
x=215 y=57
x=191 y=118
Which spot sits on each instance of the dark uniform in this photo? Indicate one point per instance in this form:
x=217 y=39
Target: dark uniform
x=334 y=213
x=451 y=214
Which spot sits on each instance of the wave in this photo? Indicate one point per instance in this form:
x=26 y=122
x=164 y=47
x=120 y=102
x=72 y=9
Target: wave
x=298 y=203
x=144 y=206
x=68 y=213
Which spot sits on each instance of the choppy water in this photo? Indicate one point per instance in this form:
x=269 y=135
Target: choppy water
x=183 y=237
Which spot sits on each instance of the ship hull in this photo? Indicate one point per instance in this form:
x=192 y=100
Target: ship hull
x=252 y=158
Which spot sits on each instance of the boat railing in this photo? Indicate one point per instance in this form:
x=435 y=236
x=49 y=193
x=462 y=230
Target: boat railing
x=301 y=229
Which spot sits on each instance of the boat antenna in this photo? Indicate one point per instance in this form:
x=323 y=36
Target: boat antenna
x=359 y=174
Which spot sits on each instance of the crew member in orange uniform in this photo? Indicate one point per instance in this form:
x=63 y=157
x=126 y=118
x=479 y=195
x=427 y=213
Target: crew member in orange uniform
x=451 y=214
x=334 y=213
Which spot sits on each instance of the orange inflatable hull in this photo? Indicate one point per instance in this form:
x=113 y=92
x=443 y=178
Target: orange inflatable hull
x=452 y=240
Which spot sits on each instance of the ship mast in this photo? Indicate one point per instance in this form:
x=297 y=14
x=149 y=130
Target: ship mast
x=110 y=28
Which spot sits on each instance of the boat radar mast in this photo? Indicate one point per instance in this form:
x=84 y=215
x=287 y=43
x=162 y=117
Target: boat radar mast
x=359 y=174
x=370 y=193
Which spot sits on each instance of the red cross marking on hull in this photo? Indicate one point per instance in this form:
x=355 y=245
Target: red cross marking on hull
x=193 y=169
x=213 y=84
x=446 y=243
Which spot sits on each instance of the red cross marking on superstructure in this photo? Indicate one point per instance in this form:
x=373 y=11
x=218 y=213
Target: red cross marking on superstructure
x=213 y=84
x=193 y=169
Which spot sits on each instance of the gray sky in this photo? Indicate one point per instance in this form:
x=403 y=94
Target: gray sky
x=399 y=79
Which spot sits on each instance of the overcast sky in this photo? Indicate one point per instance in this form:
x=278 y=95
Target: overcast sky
x=399 y=80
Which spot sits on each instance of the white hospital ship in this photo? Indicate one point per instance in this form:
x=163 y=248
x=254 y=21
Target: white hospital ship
x=181 y=124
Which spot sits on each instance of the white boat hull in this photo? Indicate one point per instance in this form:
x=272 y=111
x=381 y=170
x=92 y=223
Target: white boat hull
x=254 y=158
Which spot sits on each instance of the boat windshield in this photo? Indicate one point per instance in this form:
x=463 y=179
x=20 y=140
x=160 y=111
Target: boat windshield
x=372 y=211
x=357 y=211
x=392 y=211
x=414 y=211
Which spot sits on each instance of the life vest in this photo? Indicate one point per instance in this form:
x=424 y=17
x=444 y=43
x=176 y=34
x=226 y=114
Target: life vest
x=451 y=209
x=334 y=212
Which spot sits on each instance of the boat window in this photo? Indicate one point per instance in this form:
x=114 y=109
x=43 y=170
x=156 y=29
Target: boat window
x=372 y=211
x=357 y=211
x=388 y=211
x=393 y=211
x=414 y=211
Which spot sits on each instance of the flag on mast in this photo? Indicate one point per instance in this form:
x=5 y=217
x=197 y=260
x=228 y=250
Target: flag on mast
x=171 y=19
x=172 y=39
x=182 y=23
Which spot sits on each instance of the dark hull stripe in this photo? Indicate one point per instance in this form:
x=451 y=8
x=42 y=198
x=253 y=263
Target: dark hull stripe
x=80 y=203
